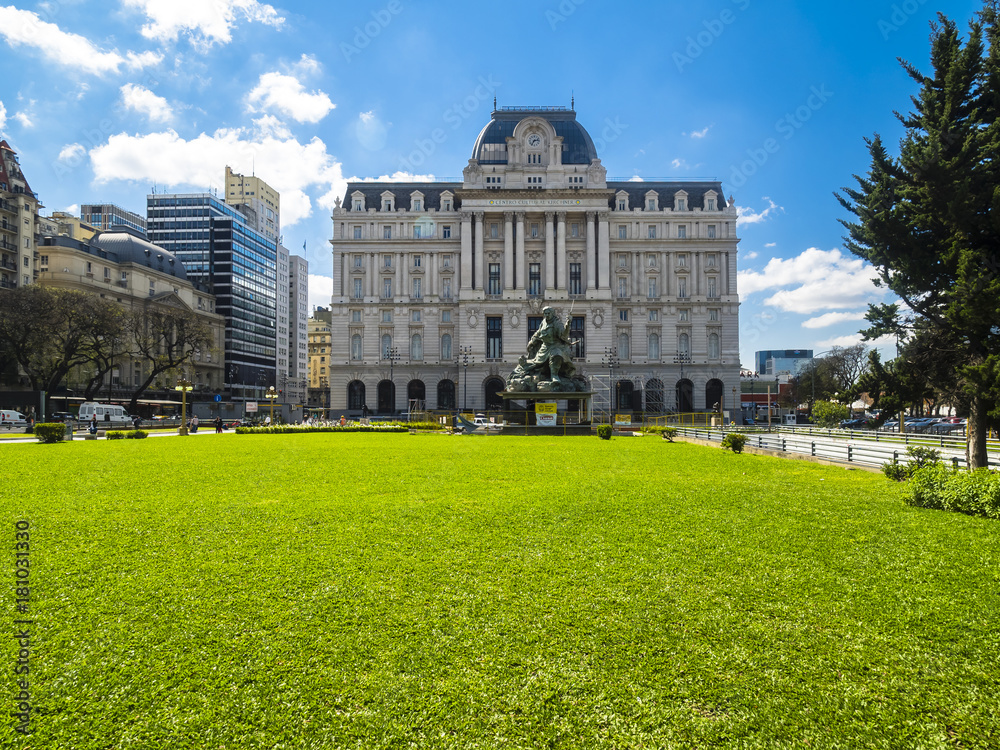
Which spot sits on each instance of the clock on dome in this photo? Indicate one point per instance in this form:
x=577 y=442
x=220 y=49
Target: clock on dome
x=534 y=140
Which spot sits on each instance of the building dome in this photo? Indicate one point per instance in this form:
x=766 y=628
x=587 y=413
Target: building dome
x=491 y=145
x=129 y=248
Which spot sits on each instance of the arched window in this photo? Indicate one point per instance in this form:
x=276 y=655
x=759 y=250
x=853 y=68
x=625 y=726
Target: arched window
x=494 y=399
x=416 y=347
x=624 y=389
x=386 y=397
x=415 y=391
x=713 y=346
x=713 y=393
x=685 y=396
x=623 y=347
x=386 y=345
x=654 y=347
x=355 y=395
x=356 y=346
x=684 y=344
x=446 y=346
x=446 y=394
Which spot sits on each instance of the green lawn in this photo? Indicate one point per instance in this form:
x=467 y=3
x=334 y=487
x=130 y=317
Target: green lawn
x=388 y=591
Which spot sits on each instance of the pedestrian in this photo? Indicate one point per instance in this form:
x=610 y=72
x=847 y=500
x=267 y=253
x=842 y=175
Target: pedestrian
x=343 y=421
x=93 y=424
x=136 y=422
x=218 y=425
x=194 y=423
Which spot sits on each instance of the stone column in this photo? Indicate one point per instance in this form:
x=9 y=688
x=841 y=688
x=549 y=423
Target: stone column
x=466 y=260
x=561 y=271
x=372 y=275
x=477 y=267
x=521 y=268
x=591 y=251
x=550 y=255
x=508 y=249
x=603 y=251
x=401 y=276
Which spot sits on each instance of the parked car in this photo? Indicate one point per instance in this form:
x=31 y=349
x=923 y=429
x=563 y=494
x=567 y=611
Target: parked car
x=12 y=420
x=853 y=424
x=62 y=416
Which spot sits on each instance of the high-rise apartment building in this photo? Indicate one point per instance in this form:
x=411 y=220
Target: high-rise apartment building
x=18 y=223
x=108 y=216
x=439 y=286
x=298 y=320
x=262 y=202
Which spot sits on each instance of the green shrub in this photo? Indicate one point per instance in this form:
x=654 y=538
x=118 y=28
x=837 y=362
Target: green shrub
x=604 y=431
x=50 y=432
x=920 y=458
x=734 y=441
x=136 y=434
x=896 y=471
x=976 y=493
x=669 y=433
x=829 y=413
x=115 y=434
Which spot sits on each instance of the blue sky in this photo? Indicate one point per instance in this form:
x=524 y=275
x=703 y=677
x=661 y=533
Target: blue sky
x=102 y=101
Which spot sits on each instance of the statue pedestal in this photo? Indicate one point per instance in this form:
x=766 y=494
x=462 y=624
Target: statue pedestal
x=582 y=414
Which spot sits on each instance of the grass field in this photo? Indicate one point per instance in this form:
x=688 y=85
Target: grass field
x=389 y=591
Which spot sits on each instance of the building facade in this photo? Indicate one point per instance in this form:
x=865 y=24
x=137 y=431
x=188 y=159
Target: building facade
x=261 y=202
x=319 y=360
x=221 y=250
x=108 y=216
x=298 y=328
x=779 y=361
x=19 y=219
x=439 y=286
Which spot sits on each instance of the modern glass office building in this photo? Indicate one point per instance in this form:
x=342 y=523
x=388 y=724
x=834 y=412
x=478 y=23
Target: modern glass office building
x=220 y=249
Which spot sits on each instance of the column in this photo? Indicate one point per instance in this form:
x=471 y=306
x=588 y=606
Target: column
x=550 y=255
x=561 y=268
x=508 y=249
x=521 y=269
x=591 y=251
x=401 y=276
x=372 y=275
x=637 y=274
x=477 y=268
x=432 y=275
x=466 y=260
x=603 y=251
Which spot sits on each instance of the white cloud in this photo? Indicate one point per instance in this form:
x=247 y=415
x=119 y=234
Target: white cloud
x=284 y=93
x=679 y=164
x=751 y=255
x=320 y=290
x=22 y=27
x=635 y=178
x=749 y=216
x=72 y=152
x=771 y=244
x=25 y=119
x=854 y=338
x=832 y=319
x=168 y=159
x=814 y=280
x=73 y=209
x=3 y=115
x=396 y=177
x=699 y=133
x=142 y=100
x=370 y=130
x=206 y=22
x=269 y=125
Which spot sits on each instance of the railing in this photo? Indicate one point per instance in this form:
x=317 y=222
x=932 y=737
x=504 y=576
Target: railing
x=837 y=448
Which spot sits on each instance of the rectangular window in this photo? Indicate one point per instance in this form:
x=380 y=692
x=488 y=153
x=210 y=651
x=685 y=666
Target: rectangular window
x=446 y=289
x=682 y=232
x=387 y=288
x=621 y=205
x=682 y=260
x=651 y=292
x=710 y=204
x=713 y=290
x=622 y=260
x=446 y=261
x=534 y=323
x=683 y=315
x=622 y=232
x=386 y=233
x=654 y=316
x=651 y=260
x=494 y=337
x=357 y=233
x=576 y=331
x=623 y=315
x=446 y=232
x=494 y=282
x=575 y=280
x=416 y=231
x=387 y=261
x=682 y=287
x=355 y=316
x=651 y=205
x=107 y=271
x=357 y=261
x=494 y=231
x=652 y=231
x=622 y=287
x=711 y=260
x=357 y=289
x=711 y=231
x=534 y=279
x=387 y=316
x=416 y=261
x=574 y=230
x=416 y=288
x=534 y=231
x=415 y=316
x=713 y=314
x=446 y=316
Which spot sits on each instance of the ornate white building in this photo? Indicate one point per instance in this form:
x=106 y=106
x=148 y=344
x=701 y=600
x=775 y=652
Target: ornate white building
x=438 y=286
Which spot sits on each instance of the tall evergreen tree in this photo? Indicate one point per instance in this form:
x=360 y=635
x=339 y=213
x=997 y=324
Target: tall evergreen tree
x=929 y=220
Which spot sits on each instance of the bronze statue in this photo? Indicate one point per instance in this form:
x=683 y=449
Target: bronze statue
x=548 y=366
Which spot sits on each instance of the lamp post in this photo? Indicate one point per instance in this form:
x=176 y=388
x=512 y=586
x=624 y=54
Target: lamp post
x=611 y=360
x=466 y=354
x=392 y=354
x=270 y=396
x=183 y=386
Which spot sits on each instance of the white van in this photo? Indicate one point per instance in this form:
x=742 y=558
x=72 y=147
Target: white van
x=12 y=420
x=108 y=415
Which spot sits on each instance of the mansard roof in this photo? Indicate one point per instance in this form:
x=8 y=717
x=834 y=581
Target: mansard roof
x=578 y=146
x=372 y=191
x=695 y=192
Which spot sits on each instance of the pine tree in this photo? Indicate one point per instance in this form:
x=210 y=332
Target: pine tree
x=929 y=220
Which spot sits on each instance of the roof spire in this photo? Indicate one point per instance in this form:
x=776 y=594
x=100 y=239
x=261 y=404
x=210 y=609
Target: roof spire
x=572 y=100
x=494 y=102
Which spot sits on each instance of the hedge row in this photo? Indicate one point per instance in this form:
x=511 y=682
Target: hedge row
x=976 y=493
x=125 y=434
x=286 y=429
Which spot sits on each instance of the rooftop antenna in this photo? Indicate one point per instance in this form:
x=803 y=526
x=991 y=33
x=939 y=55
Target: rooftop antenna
x=494 y=102
x=572 y=100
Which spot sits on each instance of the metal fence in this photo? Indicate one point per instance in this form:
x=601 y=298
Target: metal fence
x=864 y=449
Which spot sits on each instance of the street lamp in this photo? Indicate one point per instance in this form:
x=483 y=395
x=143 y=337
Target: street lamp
x=392 y=354
x=611 y=360
x=183 y=386
x=270 y=396
x=466 y=354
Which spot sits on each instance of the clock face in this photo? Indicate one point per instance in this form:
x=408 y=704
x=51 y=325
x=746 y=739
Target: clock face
x=534 y=140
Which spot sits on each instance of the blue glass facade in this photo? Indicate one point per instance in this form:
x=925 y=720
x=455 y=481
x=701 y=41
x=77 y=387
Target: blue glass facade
x=219 y=249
